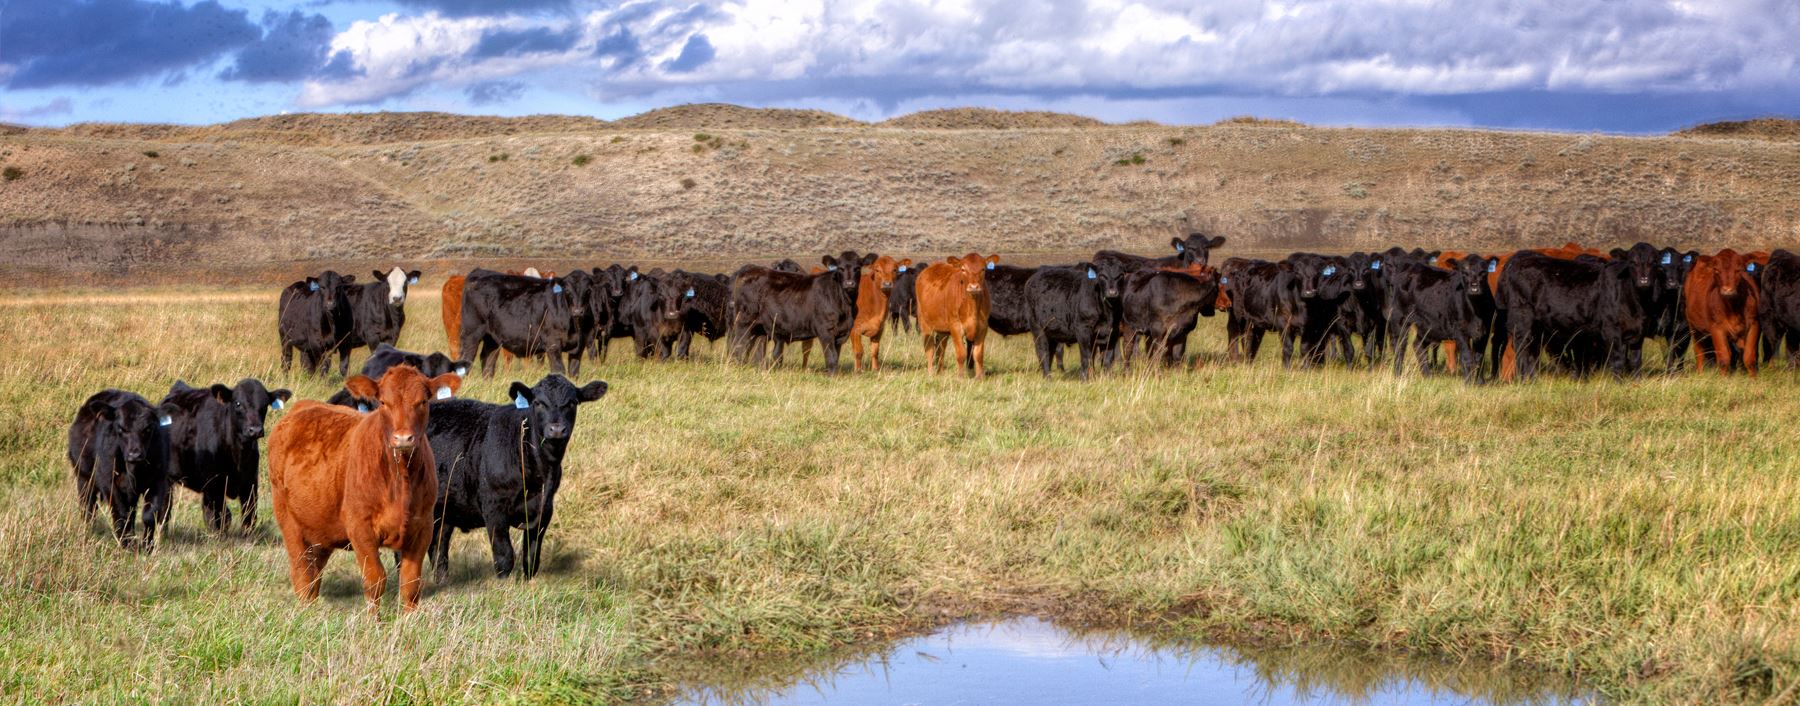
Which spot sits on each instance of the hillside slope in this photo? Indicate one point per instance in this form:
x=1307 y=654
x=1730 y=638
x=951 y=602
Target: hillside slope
x=122 y=198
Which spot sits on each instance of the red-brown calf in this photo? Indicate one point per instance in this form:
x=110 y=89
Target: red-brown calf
x=365 y=481
x=1722 y=299
x=953 y=305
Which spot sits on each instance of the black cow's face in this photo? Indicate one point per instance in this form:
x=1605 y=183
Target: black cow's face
x=847 y=268
x=130 y=430
x=1641 y=262
x=331 y=285
x=1325 y=277
x=1364 y=270
x=1196 y=247
x=1108 y=276
x=437 y=364
x=1474 y=270
x=250 y=402
x=610 y=282
x=668 y=293
x=1673 y=265
x=579 y=286
x=550 y=407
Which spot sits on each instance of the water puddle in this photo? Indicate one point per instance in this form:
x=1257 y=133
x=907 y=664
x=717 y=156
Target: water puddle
x=1030 y=661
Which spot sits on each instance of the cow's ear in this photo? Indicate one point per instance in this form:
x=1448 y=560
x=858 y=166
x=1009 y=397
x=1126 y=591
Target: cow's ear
x=869 y=259
x=1618 y=253
x=221 y=393
x=180 y=386
x=1217 y=241
x=413 y=276
x=361 y=387
x=1180 y=247
x=521 y=395
x=444 y=386
x=993 y=260
x=379 y=277
x=102 y=410
x=829 y=262
x=312 y=284
x=907 y=262
x=165 y=413
x=593 y=391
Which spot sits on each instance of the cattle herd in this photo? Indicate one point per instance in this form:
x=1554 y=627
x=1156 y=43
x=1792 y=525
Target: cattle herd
x=394 y=460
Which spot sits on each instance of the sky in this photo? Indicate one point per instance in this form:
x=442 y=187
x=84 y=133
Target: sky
x=1627 y=66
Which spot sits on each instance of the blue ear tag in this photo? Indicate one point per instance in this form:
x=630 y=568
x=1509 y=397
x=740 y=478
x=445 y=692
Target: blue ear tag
x=519 y=402
x=902 y=268
x=462 y=370
x=556 y=289
x=1750 y=267
x=1667 y=258
x=1224 y=280
x=1493 y=265
x=1180 y=248
x=632 y=277
x=1687 y=258
x=412 y=280
x=278 y=404
x=313 y=286
x=1329 y=271
x=690 y=293
x=831 y=268
x=164 y=420
x=1091 y=274
x=990 y=265
x=360 y=407
x=1376 y=265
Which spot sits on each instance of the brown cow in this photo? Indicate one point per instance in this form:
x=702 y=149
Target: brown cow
x=366 y=481
x=871 y=308
x=1721 y=301
x=953 y=303
x=452 y=310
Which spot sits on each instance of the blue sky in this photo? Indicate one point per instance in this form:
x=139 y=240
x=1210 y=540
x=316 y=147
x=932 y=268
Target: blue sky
x=1612 y=65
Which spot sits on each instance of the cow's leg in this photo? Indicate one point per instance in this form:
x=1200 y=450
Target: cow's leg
x=1044 y=354
x=833 y=346
x=156 y=510
x=1397 y=335
x=682 y=342
x=1254 y=339
x=343 y=352
x=306 y=567
x=1469 y=358
x=856 y=350
x=1750 y=339
x=874 y=352
x=439 y=550
x=124 y=517
x=1288 y=337
x=978 y=355
x=368 y=558
x=287 y=356
x=412 y=569
x=556 y=362
x=776 y=345
x=247 y=505
x=1090 y=349
x=1721 y=351
x=1130 y=349
x=500 y=542
x=534 y=535
x=212 y=505
x=489 y=361
x=958 y=345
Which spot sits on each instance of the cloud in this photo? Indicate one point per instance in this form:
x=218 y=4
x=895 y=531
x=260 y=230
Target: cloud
x=56 y=106
x=531 y=40
x=494 y=92
x=465 y=8
x=292 y=47
x=694 y=54
x=47 y=43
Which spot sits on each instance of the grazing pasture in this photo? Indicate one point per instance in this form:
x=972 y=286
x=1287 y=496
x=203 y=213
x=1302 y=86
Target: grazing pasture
x=1643 y=534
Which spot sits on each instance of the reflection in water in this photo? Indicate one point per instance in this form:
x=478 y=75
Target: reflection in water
x=1029 y=661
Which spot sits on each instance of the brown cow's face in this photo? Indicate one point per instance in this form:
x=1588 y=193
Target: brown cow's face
x=404 y=394
x=974 y=269
x=1731 y=272
x=882 y=272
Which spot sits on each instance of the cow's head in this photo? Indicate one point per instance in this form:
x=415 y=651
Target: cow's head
x=250 y=402
x=610 y=282
x=330 y=285
x=972 y=270
x=1642 y=263
x=1474 y=270
x=1322 y=277
x=397 y=280
x=1196 y=247
x=847 y=268
x=1733 y=273
x=404 y=394
x=1364 y=270
x=882 y=273
x=668 y=292
x=1107 y=276
x=1674 y=265
x=131 y=430
x=437 y=364
x=549 y=408
x=579 y=286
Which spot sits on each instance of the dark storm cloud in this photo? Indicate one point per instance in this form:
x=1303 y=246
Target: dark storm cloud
x=510 y=42
x=694 y=55
x=98 y=42
x=292 y=47
x=465 y=8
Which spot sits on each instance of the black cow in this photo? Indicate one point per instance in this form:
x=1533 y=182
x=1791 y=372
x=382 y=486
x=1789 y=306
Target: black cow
x=526 y=316
x=119 y=452
x=652 y=310
x=1326 y=312
x=902 y=299
x=1195 y=248
x=314 y=317
x=1432 y=305
x=704 y=299
x=1658 y=276
x=779 y=307
x=1778 y=309
x=1074 y=304
x=611 y=285
x=1265 y=296
x=212 y=444
x=377 y=313
x=1164 y=307
x=498 y=467
x=1587 y=306
x=1368 y=316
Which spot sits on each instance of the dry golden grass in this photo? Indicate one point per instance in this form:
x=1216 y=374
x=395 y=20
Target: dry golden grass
x=1639 y=534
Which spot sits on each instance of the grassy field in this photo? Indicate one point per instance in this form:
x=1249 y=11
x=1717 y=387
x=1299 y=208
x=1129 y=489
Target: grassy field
x=1642 y=535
